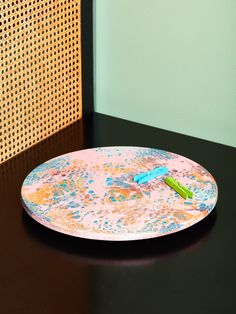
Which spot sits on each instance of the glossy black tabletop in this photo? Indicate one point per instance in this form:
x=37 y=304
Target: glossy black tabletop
x=193 y=271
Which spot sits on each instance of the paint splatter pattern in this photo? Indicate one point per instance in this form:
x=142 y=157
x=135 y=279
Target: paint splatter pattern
x=91 y=194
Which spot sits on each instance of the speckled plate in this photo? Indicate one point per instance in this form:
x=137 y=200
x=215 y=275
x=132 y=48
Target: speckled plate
x=91 y=194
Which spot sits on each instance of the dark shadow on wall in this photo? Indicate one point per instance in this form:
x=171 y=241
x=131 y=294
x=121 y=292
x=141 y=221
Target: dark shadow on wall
x=87 y=56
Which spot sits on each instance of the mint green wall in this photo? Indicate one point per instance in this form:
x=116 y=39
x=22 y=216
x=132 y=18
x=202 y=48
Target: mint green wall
x=168 y=63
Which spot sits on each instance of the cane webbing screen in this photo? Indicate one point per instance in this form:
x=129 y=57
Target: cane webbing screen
x=40 y=46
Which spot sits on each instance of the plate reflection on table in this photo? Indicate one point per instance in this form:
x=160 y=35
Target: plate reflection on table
x=118 y=253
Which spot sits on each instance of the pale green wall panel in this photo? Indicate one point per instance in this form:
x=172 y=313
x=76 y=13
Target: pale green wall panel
x=168 y=63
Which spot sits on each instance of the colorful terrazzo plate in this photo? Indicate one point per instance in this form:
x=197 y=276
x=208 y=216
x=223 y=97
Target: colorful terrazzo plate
x=91 y=194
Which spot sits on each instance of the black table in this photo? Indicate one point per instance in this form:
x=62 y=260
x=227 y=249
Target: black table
x=193 y=271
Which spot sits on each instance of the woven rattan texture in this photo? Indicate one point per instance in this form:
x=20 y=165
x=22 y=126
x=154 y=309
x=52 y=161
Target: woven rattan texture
x=40 y=45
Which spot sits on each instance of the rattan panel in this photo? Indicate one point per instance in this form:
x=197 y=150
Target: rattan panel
x=40 y=44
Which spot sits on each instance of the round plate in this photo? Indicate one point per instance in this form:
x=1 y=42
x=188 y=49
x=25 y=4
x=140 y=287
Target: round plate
x=91 y=194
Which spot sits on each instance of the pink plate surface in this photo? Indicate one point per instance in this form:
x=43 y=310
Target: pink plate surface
x=91 y=194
